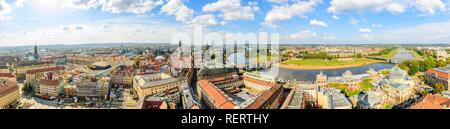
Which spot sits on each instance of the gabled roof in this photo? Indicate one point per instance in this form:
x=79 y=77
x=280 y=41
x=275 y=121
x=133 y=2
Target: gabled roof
x=439 y=73
x=432 y=102
x=34 y=71
x=219 y=99
x=10 y=75
x=49 y=82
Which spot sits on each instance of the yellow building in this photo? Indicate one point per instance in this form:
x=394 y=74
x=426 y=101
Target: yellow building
x=97 y=88
x=398 y=87
x=9 y=93
x=150 y=84
x=330 y=98
x=48 y=88
x=32 y=76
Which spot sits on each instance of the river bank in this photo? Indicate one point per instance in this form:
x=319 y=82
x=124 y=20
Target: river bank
x=322 y=66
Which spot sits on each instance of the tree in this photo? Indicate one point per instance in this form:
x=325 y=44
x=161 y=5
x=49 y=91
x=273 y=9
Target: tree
x=359 y=55
x=27 y=89
x=137 y=62
x=425 y=65
x=439 y=87
x=441 y=63
x=414 y=67
x=404 y=66
x=424 y=93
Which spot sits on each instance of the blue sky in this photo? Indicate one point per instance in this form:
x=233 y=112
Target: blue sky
x=25 y=22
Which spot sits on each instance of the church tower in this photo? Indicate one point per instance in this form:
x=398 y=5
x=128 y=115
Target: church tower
x=36 y=54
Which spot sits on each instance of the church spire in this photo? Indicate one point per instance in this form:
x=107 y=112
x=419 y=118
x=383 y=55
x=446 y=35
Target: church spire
x=36 y=54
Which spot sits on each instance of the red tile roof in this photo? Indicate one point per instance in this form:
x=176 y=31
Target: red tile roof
x=261 y=82
x=10 y=75
x=49 y=82
x=432 y=102
x=439 y=73
x=220 y=100
x=265 y=97
x=8 y=87
x=34 y=71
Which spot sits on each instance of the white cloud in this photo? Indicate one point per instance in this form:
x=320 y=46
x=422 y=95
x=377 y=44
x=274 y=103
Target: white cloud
x=205 y=20
x=232 y=9
x=341 y=6
x=82 y=4
x=318 y=23
x=172 y=6
x=186 y=15
x=365 y=30
x=116 y=6
x=396 y=8
x=377 y=25
x=278 y=1
x=5 y=10
x=367 y=36
x=392 y=6
x=111 y=31
x=329 y=37
x=335 y=17
x=72 y=28
x=436 y=32
x=131 y=6
x=303 y=34
x=353 y=21
x=19 y=3
x=430 y=6
x=286 y=12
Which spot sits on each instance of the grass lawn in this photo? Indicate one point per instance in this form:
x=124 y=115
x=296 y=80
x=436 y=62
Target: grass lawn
x=416 y=55
x=334 y=62
x=391 y=54
x=385 y=72
x=366 y=85
x=344 y=89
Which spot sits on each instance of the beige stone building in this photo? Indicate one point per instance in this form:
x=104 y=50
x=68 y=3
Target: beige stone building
x=48 y=88
x=97 y=88
x=150 y=84
x=330 y=98
x=397 y=88
x=9 y=93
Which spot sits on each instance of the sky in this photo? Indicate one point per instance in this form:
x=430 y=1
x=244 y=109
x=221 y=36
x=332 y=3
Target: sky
x=26 y=22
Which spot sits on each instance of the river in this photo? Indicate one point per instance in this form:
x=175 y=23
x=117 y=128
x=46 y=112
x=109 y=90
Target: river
x=310 y=75
x=403 y=55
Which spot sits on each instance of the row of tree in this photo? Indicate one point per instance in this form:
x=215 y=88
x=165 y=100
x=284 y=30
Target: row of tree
x=383 y=52
x=319 y=55
x=415 y=66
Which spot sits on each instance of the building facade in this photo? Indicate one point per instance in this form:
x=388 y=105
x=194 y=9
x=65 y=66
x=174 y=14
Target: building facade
x=330 y=98
x=213 y=97
x=151 y=84
x=9 y=93
x=48 y=88
x=93 y=89
x=433 y=102
x=33 y=76
x=438 y=75
x=397 y=88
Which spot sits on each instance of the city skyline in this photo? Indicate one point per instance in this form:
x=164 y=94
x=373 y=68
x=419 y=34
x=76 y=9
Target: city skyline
x=26 y=22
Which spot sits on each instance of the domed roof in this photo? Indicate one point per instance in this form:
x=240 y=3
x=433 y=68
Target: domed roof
x=160 y=58
x=397 y=73
x=347 y=74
